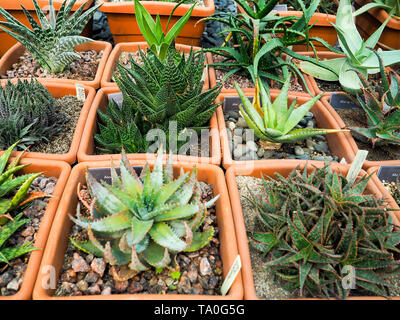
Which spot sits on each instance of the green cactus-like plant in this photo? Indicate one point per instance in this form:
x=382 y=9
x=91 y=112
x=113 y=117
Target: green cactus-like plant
x=52 y=40
x=28 y=114
x=140 y=221
x=275 y=121
x=317 y=224
x=14 y=191
x=7 y=254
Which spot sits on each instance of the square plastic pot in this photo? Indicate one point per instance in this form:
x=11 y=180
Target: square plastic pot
x=59 y=235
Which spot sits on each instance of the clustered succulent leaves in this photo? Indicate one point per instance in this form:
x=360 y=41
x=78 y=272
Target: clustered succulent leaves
x=258 y=39
x=273 y=121
x=52 y=40
x=28 y=114
x=359 y=54
x=315 y=224
x=381 y=102
x=14 y=191
x=155 y=94
x=141 y=222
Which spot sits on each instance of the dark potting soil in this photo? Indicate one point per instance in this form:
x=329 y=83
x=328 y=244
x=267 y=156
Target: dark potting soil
x=200 y=271
x=12 y=275
x=83 y=69
x=356 y=118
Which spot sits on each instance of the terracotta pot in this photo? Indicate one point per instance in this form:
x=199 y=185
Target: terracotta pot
x=370 y=21
x=133 y=47
x=123 y=26
x=337 y=142
x=351 y=141
x=87 y=146
x=16 y=51
x=58 y=90
x=59 y=235
x=13 y=7
x=270 y=169
x=58 y=169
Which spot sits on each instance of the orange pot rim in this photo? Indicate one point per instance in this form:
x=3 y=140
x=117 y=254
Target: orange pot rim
x=85 y=156
x=230 y=252
x=70 y=156
x=28 y=4
x=25 y=291
x=227 y=160
x=133 y=47
x=319 y=18
x=12 y=55
x=157 y=7
x=240 y=228
x=381 y=15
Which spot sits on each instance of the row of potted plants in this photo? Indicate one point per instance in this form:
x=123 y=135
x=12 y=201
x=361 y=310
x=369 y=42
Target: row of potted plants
x=185 y=243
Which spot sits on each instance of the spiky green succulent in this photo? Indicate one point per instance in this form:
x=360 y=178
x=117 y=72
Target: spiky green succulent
x=314 y=224
x=28 y=114
x=7 y=254
x=169 y=91
x=14 y=191
x=274 y=121
x=142 y=221
x=359 y=54
x=52 y=40
x=381 y=103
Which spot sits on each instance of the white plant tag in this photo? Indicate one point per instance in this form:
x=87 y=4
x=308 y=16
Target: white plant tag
x=356 y=165
x=80 y=92
x=231 y=276
x=343 y=161
x=203 y=78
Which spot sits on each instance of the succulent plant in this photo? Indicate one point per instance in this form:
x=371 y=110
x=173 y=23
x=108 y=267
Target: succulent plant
x=52 y=40
x=28 y=114
x=170 y=90
x=359 y=53
x=391 y=6
x=381 y=103
x=317 y=224
x=139 y=222
x=7 y=254
x=274 y=121
x=14 y=191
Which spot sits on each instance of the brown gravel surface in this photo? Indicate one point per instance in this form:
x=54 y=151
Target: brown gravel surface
x=83 y=69
x=200 y=271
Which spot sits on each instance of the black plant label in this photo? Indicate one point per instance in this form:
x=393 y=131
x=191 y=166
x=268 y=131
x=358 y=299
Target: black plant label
x=281 y=7
x=388 y=173
x=104 y=174
x=232 y=103
x=342 y=101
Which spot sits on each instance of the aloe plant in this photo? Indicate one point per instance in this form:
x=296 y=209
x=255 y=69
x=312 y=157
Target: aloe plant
x=391 y=6
x=359 y=54
x=140 y=221
x=315 y=225
x=52 y=40
x=381 y=103
x=274 y=121
x=158 y=40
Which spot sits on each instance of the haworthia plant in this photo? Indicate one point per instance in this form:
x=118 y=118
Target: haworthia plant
x=274 y=121
x=359 y=57
x=52 y=40
x=141 y=222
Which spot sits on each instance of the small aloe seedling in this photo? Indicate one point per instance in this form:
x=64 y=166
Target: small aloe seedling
x=381 y=104
x=274 y=122
x=158 y=40
x=315 y=225
x=7 y=254
x=52 y=41
x=14 y=191
x=140 y=221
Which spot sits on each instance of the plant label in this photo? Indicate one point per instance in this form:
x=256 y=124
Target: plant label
x=231 y=276
x=388 y=173
x=205 y=72
x=343 y=101
x=80 y=92
x=116 y=97
x=232 y=103
x=356 y=165
x=104 y=174
x=280 y=7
